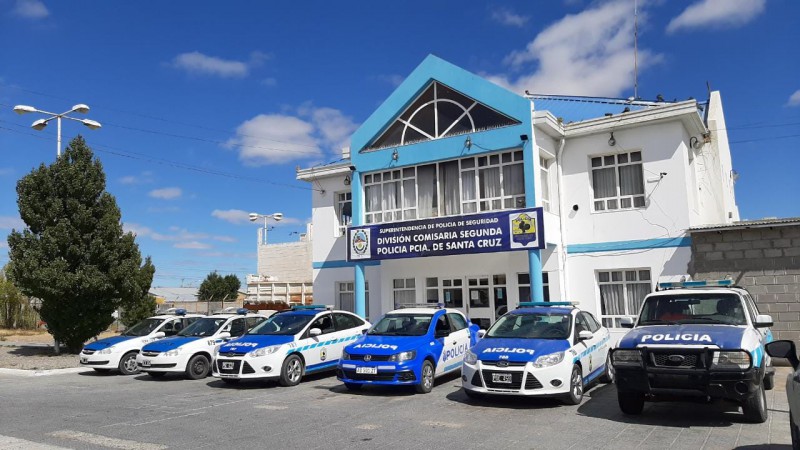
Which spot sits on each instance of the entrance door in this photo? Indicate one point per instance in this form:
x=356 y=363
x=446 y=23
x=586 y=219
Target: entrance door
x=479 y=293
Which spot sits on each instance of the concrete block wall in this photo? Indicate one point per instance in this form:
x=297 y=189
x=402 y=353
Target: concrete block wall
x=289 y=262
x=765 y=261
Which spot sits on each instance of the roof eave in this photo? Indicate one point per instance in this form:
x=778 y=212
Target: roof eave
x=685 y=111
x=313 y=173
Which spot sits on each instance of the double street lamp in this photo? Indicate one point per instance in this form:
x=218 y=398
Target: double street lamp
x=275 y=216
x=41 y=123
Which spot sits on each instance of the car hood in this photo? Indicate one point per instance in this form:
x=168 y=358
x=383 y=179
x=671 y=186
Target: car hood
x=722 y=336
x=386 y=345
x=107 y=342
x=168 y=344
x=252 y=342
x=517 y=350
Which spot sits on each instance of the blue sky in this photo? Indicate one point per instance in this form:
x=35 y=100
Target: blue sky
x=207 y=108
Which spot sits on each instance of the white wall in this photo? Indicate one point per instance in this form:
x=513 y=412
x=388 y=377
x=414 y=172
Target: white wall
x=327 y=247
x=287 y=262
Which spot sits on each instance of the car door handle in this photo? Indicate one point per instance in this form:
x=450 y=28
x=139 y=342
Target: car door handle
x=455 y=342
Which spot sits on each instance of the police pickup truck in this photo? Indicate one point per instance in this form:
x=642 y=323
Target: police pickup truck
x=699 y=338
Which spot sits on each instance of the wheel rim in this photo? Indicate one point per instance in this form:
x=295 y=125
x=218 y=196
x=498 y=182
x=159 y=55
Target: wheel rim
x=294 y=370
x=609 y=370
x=199 y=367
x=577 y=384
x=130 y=364
x=427 y=377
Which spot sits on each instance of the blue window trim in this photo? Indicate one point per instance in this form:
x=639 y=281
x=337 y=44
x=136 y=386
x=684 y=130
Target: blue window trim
x=643 y=244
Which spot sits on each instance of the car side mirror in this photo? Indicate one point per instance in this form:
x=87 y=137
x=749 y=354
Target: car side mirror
x=224 y=335
x=481 y=334
x=626 y=322
x=314 y=332
x=159 y=335
x=585 y=335
x=784 y=349
x=763 y=321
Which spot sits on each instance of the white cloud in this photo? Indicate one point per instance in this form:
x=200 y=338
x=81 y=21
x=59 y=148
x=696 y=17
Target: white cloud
x=192 y=245
x=169 y=193
x=182 y=237
x=142 y=178
x=332 y=126
x=506 y=17
x=717 y=13
x=269 y=82
x=589 y=53
x=31 y=9
x=393 y=80
x=9 y=222
x=201 y=64
x=224 y=238
x=275 y=139
x=235 y=216
x=794 y=99
x=6 y=171
x=3 y=244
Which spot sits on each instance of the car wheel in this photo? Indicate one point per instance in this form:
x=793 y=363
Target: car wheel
x=198 y=367
x=353 y=386
x=755 y=407
x=608 y=374
x=127 y=364
x=292 y=371
x=426 y=380
x=230 y=381
x=769 y=381
x=631 y=403
x=795 y=432
x=102 y=370
x=575 y=386
x=156 y=374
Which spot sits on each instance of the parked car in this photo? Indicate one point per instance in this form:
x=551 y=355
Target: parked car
x=787 y=349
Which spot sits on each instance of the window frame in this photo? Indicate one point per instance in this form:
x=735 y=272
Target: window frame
x=612 y=321
x=618 y=197
x=405 y=289
x=340 y=229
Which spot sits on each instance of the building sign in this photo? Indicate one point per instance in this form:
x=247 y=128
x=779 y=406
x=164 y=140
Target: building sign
x=502 y=231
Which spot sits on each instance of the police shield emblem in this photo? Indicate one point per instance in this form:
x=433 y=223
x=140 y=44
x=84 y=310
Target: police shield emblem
x=359 y=244
x=523 y=230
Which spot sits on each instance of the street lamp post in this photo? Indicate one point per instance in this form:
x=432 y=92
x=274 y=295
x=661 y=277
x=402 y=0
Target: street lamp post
x=275 y=216
x=41 y=123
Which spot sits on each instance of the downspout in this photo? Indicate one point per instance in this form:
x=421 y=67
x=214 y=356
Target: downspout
x=562 y=257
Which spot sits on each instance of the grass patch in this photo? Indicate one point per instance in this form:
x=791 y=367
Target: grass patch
x=4 y=332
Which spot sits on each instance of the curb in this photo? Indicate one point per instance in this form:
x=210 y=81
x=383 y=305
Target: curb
x=42 y=373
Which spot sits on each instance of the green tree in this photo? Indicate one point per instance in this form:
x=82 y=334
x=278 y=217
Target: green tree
x=218 y=288
x=138 y=311
x=73 y=253
x=13 y=305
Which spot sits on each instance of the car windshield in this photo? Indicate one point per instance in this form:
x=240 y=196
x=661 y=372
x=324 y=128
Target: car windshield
x=693 y=308
x=402 y=325
x=282 y=324
x=143 y=328
x=531 y=326
x=205 y=326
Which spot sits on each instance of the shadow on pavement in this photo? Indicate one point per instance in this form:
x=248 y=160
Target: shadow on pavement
x=388 y=391
x=265 y=383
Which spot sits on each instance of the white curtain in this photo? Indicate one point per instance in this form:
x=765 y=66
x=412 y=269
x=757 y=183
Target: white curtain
x=391 y=195
x=612 y=300
x=409 y=194
x=426 y=184
x=468 y=185
x=604 y=183
x=448 y=171
x=404 y=297
x=489 y=182
x=373 y=194
x=636 y=293
x=631 y=180
x=513 y=180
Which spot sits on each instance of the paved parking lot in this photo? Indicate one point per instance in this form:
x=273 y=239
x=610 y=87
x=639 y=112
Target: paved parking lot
x=85 y=410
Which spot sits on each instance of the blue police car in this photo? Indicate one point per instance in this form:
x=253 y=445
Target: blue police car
x=696 y=339
x=539 y=349
x=410 y=346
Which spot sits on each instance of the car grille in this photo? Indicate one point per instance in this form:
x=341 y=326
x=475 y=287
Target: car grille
x=88 y=352
x=674 y=360
x=151 y=353
x=231 y=354
x=385 y=376
x=516 y=380
x=503 y=363
x=372 y=357
x=531 y=382
x=234 y=370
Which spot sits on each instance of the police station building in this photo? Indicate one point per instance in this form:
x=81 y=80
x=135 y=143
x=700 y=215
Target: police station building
x=458 y=191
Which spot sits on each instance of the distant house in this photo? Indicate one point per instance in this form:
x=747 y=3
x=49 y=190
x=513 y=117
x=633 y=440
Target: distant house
x=174 y=294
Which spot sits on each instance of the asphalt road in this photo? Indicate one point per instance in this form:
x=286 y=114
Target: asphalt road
x=86 y=410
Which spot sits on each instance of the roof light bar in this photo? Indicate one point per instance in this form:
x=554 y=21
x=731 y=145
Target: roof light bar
x=302 y=307
x=537 y=304
x=180 y=312
x=689 y=284
x=242 y=311
x=421 y=305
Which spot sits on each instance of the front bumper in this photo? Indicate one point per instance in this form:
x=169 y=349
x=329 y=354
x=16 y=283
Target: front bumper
x=388 y=373
x=96 y=360
x=242 y=367
x=697 y=380
x=489 y=378
x=149 y=362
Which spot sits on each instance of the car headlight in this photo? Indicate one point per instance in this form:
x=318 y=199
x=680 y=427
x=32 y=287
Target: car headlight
x=264 y=351
x=403 y=356
x=470 y=358
x=731 y=360
x=345 y=355
x=173 y=352
x=107 y=350
x=626 y=358
x=549 y=360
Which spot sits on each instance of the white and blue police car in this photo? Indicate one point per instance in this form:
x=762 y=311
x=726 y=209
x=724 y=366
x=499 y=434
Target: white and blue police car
x=288 y=345
x=696 y=339
x=539 y=349
x=190 y=351
x=119 y=352
x=409 y=346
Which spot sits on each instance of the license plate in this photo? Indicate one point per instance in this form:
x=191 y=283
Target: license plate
x=145 y=363
x=501 y=378
x=367 y=370
x=227 y=365
x=84 y=360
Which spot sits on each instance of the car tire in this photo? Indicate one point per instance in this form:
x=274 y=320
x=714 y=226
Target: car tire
x=156 y=374
x=608 y=374
x=755 y=407
x=575 y=394
x=425 y=385
x=101 y=370
x=769 y=381
x=795 y=432
x=198 y=367
x=353 y=386
x=127 y=364
x=231 y=381
x=292 y=371
x=631 y=403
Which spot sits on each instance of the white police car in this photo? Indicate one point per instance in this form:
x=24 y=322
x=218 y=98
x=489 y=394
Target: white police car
x=119 y=352
x=191 y=350
x=288 y=345
x=409 y=346
x=698 y=338
x=539 y=349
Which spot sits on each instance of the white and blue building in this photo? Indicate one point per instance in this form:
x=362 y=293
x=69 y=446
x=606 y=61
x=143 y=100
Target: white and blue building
x=458 y=191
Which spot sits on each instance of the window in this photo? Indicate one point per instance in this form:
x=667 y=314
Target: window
x=457 y=320
x=346 y=298
x=346 y=321
x=524 y=287
x=324 y=323
x=442 y=327
x=618 y=181
x=344 y=212
x=404 y=291
x=622 y=293
x=544 y=183
x=465 y=186
x=250 y=322
x=238 y=327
